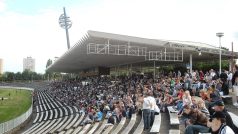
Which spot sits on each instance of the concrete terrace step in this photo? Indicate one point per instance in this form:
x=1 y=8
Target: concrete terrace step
x=95 y=126
x=119 y=126
x=130 y=125
x=156 y=125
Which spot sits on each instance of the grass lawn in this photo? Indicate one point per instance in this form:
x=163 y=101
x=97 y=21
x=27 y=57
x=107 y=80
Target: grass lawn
x=15 y=102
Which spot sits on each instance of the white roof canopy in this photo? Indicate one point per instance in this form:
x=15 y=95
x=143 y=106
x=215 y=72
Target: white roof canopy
x=108 y=50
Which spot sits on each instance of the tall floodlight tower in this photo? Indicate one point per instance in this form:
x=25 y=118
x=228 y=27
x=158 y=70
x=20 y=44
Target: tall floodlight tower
x=66 y=24
x=219 y=35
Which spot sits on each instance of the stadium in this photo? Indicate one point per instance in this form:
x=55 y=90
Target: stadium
x=73 y=106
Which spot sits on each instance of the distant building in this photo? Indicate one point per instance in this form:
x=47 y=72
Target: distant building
x=1 y=66
x=29 y=64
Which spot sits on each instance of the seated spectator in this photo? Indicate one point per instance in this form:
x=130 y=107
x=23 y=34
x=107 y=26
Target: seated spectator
x=203 y=94
x=218 y=107
x=168 y=100
x=111 y=120
x=194 y=102
x=108 y=114
x=213 y=96
x=179 y=101
x=195 y=117
x=99 y=115
x=201 y=106
x=187 y=100
x=89 y=119
x=217 y=122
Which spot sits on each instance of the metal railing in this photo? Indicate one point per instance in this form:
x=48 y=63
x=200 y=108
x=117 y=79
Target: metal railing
x=11 y=124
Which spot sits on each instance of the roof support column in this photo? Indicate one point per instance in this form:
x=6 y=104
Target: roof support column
x=108 y=45
x=141 y=70
x=118 y=70
x=131 y=70
x=127 y=69
x=154 y=70
x=230 y=65
x=191 y=63
x=182 y=54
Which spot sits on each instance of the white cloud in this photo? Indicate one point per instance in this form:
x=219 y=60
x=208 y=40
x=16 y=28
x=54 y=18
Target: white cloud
x=2 y=6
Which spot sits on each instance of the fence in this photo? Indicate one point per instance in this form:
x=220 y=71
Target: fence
x=9 y=125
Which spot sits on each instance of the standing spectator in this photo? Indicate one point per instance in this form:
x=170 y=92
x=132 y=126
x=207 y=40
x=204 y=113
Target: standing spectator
x=201 y=75
x=229 y=78
x=146 y=112
x=179 y=74
x=223 y=76
x=235 y=83
x=224 y=87
x=152 y=109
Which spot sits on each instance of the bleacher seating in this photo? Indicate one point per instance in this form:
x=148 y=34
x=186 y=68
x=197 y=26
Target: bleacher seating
x=108 y=129
x=119 y=126
x=72 y=122
x=85 y=129
x=174 y=131
x=234 y=119
x=140 y=127
x=77 y=130
x=95 y=126
x=156 y=125
x=173 y=118
x=100 y=129
x=130 y=125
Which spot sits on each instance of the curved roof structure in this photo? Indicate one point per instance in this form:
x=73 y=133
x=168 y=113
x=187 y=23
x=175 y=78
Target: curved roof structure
x=106 y=49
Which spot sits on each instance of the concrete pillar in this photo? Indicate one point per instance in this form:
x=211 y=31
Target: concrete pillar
x=191 y=62
x=154 y=70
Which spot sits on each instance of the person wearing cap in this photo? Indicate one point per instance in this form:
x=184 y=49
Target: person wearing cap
x=218 y=106
x=218 y=125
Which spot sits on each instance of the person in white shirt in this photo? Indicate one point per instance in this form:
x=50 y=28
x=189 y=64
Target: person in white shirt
x=152 y=108
x=146 y=112
x=229 y=78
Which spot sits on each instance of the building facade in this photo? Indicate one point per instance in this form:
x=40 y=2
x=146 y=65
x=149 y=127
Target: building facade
x=29 y=64
x=1 y=66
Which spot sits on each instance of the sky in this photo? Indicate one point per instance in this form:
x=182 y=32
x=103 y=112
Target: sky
x=30 y=27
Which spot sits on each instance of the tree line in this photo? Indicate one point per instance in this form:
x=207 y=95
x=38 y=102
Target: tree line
x=21 y=76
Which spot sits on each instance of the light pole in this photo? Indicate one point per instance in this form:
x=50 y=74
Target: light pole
x=66 y=24
x=219 y=35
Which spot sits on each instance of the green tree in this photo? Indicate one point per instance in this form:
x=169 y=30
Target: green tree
x=49 y=62
x=48 y=74
x=18 y=76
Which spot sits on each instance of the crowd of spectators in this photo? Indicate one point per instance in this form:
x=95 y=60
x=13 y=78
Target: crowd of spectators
x=196 y=95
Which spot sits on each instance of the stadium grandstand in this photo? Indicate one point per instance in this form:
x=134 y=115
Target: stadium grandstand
x=132 y=104
x=106 y=50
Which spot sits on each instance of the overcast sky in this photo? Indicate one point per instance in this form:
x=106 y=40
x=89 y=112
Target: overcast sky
x=30 y=27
